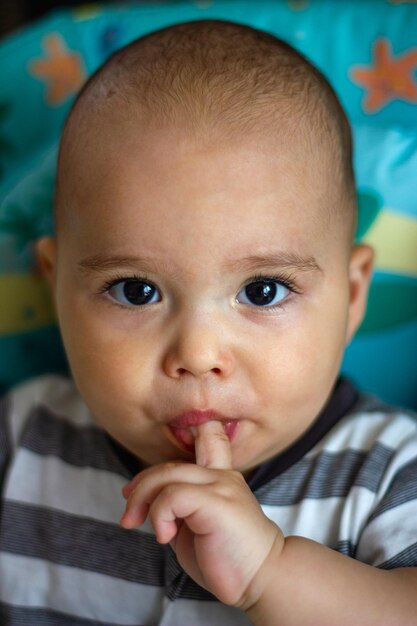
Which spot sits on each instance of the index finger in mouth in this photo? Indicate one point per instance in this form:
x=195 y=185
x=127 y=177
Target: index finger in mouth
x=212 y=446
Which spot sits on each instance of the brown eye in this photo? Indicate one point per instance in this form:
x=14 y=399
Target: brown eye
x=133 y=292
x=262 y=293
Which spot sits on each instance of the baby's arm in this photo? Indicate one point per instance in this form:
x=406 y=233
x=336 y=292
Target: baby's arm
x=309 y=584
x=227 y=545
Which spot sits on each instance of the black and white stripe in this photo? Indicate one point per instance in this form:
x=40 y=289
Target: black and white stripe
x=350 y=483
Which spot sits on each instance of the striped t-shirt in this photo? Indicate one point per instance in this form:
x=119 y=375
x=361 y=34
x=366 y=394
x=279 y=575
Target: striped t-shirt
x=350 y=482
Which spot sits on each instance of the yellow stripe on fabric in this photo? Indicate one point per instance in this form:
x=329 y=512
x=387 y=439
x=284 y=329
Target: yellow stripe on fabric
x=25 y=303
x=394 y=238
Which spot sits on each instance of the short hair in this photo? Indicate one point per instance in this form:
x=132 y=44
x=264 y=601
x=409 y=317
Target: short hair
x=209 y=74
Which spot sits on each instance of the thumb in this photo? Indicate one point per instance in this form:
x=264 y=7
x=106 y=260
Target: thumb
x=212 y=446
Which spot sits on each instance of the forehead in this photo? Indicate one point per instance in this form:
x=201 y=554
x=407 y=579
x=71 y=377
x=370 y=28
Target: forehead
x=96 y=146
x=158 y=189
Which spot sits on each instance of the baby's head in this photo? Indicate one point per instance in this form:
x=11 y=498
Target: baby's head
x=219 y=83
x=205 y=213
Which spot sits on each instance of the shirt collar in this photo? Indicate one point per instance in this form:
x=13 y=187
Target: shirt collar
x=341 y=401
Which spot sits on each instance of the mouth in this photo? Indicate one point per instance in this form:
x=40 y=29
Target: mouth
x=183 y=428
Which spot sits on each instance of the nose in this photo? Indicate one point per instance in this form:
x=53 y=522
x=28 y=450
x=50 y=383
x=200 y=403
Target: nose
x=198 y=349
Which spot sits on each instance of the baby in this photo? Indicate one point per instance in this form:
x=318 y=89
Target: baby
x=206 y=284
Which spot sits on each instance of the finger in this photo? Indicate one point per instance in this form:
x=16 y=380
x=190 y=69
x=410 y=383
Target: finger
x=126 y=489
x=181 y=502
x=133 y=517
x=166 y=468
x=165 y=473
x=136 y=509
x=146 y=486
x=212 y=446
x=139 y=477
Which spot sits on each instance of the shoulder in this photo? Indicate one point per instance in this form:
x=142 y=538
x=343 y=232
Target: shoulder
x=47 y=395
x=371 y=422
x=374 y=446
x=388 y=481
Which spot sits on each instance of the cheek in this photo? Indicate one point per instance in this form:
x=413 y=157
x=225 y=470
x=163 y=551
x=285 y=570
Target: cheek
x=302 y=362
x=105 y=356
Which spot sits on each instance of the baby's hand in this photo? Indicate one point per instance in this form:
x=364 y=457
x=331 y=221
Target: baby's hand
x=210 y=517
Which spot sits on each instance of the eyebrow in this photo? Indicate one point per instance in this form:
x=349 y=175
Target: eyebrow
x=98 y=264
x=281 y=259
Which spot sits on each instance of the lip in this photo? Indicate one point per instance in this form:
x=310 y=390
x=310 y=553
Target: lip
x=180 y=426
x=195 y=417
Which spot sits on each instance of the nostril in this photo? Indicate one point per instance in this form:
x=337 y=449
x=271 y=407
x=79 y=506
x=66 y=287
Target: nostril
x=181 y=371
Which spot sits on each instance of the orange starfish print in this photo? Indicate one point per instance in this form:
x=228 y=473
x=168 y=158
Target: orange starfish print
x=62 y=70
x=391 y=78
x=298 y=5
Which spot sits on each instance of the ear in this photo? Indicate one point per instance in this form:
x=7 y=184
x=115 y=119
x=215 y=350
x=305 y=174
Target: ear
x=46 y=258
x=360 y=273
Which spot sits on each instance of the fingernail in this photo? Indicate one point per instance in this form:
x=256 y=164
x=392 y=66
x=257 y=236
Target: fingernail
x=123 y=519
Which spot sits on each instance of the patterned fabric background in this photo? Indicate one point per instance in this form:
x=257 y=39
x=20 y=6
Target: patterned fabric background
x=367 y=49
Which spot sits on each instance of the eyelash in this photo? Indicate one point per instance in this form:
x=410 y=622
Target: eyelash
x=286 y=280
x=119 y=278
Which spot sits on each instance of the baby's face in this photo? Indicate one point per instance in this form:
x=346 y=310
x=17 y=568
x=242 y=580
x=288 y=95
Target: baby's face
x=191 y=278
